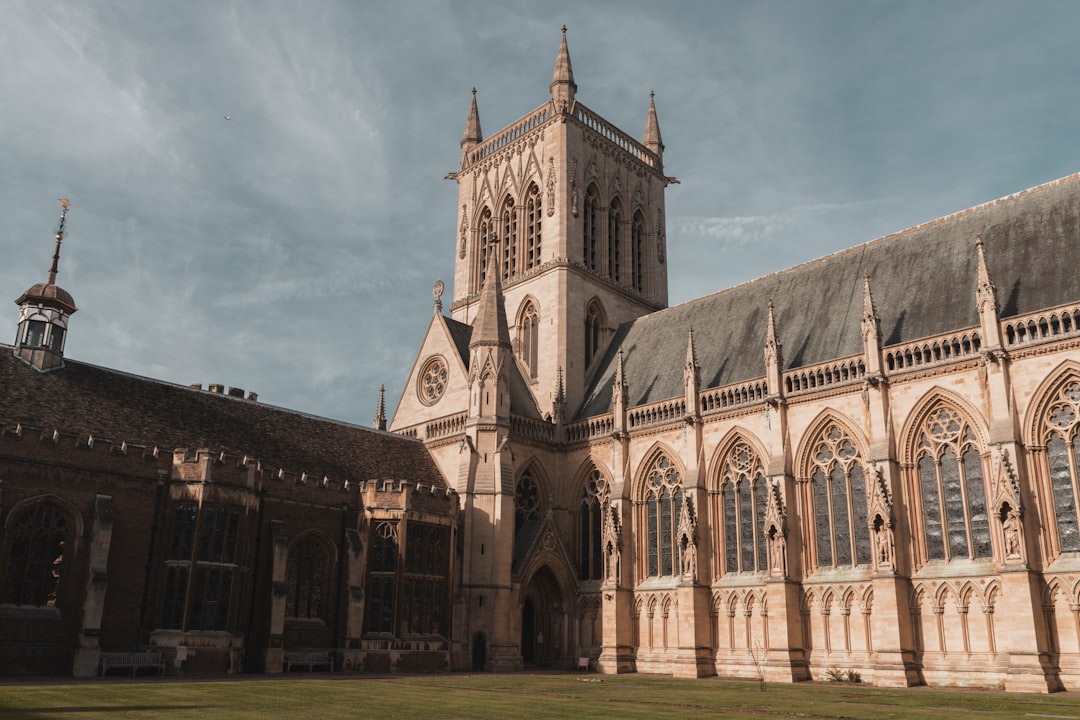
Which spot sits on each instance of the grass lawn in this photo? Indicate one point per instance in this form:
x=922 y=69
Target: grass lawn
x=533 y=696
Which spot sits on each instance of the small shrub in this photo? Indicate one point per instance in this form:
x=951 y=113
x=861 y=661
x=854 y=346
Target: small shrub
x=853 y=676
x=834 y=674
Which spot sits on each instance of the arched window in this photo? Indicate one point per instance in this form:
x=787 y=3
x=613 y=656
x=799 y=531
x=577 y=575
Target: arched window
x=528 y=337
x=956 y=524
x=637 y=243
x=305 y=579
x=38 y=539
x=662 y=505
x=526 y=501
x=593 y=497
x=487 y=241
x=509 y=239
x=1060 y=428
x=591 y=228
x=838 y=491
x=594 y=324
x=741 y=509
x=614 y=241
x=532 y=227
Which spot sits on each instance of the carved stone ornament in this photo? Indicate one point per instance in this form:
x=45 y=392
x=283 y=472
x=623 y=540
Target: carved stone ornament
x=551 y=183
x=1007 y=507
x=687 y=540
x=574 y=190
x=464 y=232
x=775 y=523
x=612 y=539
x=660 y=240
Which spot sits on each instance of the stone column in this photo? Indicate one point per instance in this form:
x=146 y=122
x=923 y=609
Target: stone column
x=89 y=651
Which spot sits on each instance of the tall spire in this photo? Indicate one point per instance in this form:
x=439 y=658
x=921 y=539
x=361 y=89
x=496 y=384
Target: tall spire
x=985 y=292
x=473 y=136
x=871 y=331
x=65 y=203
x=380 y=410
x=653 y=141
x=563 y=87
x=489 y=327
x=774 y=355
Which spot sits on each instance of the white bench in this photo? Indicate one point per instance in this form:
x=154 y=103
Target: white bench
x=131 y=660
x=309 y=658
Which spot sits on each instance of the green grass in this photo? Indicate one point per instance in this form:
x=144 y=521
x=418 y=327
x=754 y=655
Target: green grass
x=533 y=696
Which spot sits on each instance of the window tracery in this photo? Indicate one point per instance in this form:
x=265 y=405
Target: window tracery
x=1060 y=430
x=509 y=239
x=593 y=497
x=38 y=540
x=662 y=505
x=594 y=323
x=614 y=244
x=382 y=578
x=487 y=235
x=951 y=487
x=838 y=492
x=637 y=242
x=741 y=510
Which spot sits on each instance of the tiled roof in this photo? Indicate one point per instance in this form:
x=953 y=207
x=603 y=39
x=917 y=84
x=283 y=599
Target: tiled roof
x=116 y=406
x=522 y=401
x=922 y=279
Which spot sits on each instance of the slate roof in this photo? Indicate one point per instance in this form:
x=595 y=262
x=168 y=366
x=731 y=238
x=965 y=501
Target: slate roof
x=521 y=397
x=922 y=280
x=119 y=407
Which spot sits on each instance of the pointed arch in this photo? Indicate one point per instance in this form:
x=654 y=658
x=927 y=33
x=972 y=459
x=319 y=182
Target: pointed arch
x=614 y=239
x=593 y=503
x=738 y=501
x=595 y=329
x=508 y=236
x=830 y=468
x=39 y=543
x=658 y=500
x=1053 y=429
x=590 y=220
x=950 y=499
x=638 y=251
x=528 y=335
x=533 y=209
x=530 y=501
x=486 y=234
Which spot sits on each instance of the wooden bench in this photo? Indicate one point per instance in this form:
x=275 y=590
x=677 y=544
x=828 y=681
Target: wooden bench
x=310 y=658
x=131 y=661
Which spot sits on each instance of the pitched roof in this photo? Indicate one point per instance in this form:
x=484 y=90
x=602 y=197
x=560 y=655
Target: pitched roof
x=522 y=401
x=115 y=406
x=923 y=282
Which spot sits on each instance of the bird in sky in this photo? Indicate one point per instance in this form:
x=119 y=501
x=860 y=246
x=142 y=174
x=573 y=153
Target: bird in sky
x=228 y=118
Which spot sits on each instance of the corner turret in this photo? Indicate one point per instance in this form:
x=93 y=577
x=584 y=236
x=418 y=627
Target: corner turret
x=563 y=87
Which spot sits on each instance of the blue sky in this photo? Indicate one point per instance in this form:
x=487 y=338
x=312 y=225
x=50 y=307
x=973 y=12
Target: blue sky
x=290 y=250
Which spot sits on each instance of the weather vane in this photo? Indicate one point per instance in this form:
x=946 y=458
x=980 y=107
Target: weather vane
x=64 y=203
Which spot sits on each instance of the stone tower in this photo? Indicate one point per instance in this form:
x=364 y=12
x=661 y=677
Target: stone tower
x=570 y=210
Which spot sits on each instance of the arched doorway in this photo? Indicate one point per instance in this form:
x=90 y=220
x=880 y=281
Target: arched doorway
x=542 y=621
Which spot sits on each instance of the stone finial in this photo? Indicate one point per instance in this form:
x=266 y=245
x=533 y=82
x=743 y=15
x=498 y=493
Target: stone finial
x=473 y=135
x=380 y=410
x=985 y=292
x=563 y=88
x=871 y=332
x=652 y=139
x=773 y=352
x=437 y=291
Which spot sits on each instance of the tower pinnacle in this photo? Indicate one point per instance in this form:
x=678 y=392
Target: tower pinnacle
x=563 y=87
x=473 y=136
x=653 y=141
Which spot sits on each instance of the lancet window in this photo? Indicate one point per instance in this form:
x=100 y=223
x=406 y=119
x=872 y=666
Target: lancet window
x=528 y=337
x=740 y=505
x=1060 y=430
x=594 y=323
x=590 y=515
x=509 y=239
x=306 y=573
x=39 y=536
x=526 y=502
x=590 y=222
x=951 y=487
x=614 y=241
x=533 y=217
x=487 y=241
x=661 y=505
x=838 y=493
x=637 y=242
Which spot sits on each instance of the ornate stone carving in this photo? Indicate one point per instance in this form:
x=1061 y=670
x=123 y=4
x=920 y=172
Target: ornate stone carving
x=431 y=383
x=612 y=539
x=551 y=183
x=464 y=231
x=686 y=535
x=660 y=239
x=574 y=189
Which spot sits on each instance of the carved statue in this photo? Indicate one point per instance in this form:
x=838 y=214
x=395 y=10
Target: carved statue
x=689 y=560
x=613 y=560
x=777 y=552
x=1012 y=528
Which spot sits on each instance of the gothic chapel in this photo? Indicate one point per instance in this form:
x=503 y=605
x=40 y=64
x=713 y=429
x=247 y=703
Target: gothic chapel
x=866 y=462
x=667 y=490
